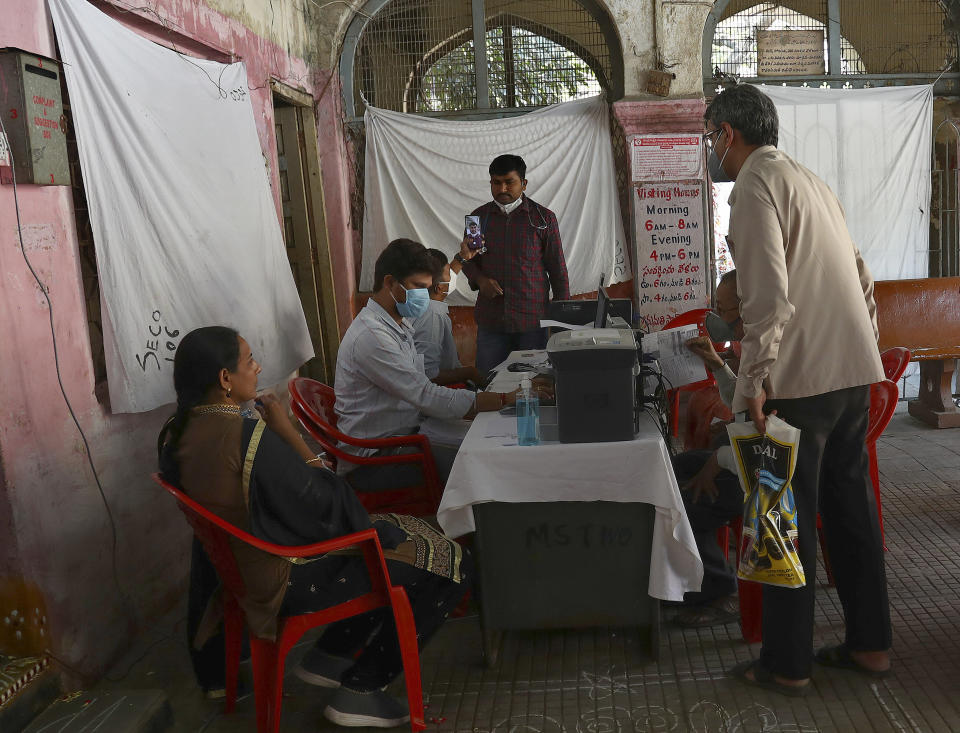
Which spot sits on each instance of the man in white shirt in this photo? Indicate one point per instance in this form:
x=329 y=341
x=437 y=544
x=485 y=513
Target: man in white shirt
x=380 y=383
x=433 y=332
x=809 y=353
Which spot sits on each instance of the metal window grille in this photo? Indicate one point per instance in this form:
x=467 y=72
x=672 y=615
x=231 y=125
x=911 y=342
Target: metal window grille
x=418 y=55
x=877 y=36
x=944 y=222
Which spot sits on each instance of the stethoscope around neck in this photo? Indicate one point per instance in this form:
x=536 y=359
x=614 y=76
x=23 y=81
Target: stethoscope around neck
x=543 y=221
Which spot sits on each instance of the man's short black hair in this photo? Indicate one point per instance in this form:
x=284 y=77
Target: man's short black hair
x=730 y=276
x=504 y=164
x=402 y=258
x=748 y=110
x=441 y=261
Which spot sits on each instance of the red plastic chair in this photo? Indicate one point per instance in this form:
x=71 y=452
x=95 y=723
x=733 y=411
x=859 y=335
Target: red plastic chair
x=895 y=360
x=883 y=401
x=697 y=317
x=268 y=657
x=312 y=403
x=703 y=407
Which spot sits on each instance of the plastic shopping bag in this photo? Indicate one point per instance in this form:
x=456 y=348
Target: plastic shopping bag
x=765 y=464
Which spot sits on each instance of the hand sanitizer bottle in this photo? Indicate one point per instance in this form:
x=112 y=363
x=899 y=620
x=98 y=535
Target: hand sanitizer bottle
x=528 y=414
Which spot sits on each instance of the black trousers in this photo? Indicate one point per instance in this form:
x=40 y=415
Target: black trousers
x=706 y=518
x=336 y=579
x=208 y=662
x=832 y=474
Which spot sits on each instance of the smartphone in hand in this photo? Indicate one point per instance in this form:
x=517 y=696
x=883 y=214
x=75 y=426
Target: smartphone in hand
x=471 y=230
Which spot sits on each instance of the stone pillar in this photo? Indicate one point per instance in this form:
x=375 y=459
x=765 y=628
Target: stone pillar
x=664 y=117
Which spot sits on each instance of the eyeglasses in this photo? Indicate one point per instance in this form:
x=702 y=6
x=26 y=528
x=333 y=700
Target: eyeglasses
x=708 y=137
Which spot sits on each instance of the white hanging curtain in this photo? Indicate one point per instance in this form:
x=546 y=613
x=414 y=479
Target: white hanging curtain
x=873 y=147
x=184 y=222
x=424 y=174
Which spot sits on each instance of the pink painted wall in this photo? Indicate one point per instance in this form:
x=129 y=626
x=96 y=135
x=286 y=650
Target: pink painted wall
x=54 y=529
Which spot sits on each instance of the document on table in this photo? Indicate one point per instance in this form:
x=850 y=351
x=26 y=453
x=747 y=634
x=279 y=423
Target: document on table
x=679 y=365
x=549 y=323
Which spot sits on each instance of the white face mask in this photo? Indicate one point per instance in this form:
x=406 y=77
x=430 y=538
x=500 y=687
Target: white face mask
x=507 y=208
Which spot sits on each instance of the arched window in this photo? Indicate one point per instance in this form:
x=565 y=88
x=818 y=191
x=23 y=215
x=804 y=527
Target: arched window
x=866 y=42
x=735 y=44
x=525 y=69
x=422 y=55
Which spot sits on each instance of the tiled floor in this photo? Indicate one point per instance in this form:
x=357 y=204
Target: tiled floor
x=597 y=681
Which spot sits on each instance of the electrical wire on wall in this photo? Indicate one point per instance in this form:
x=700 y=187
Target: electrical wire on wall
x=56 y=360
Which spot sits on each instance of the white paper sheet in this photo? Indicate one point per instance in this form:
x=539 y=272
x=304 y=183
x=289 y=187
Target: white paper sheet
x=680 y=366
x=184 y=221
x=548 y=323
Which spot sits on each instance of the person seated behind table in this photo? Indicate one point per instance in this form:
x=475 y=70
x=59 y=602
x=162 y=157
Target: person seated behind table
x=433 y=332
x=380 y=383
x=711 y=494
x=260 y=476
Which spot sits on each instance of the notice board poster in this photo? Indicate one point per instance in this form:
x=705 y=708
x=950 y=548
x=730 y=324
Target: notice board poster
x=672 y=270
x=666 y=157
x=790 y=53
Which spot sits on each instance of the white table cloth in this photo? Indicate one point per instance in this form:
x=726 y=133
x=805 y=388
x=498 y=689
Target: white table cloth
x=490 y=466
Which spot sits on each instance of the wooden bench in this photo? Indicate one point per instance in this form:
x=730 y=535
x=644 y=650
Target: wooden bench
x=924 y=316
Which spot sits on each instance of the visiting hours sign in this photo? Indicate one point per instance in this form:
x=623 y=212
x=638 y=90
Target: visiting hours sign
x=672 y=270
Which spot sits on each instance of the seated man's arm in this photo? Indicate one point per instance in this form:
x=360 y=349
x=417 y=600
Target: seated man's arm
x=726 y=379
x=380 y=362
x=726 y=383
x=451 y=371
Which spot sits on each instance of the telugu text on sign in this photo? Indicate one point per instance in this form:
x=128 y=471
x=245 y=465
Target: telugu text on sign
x=790 y=53
x=672 y=270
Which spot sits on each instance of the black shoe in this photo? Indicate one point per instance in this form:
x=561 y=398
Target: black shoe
x=375 y=709
x=322 y=669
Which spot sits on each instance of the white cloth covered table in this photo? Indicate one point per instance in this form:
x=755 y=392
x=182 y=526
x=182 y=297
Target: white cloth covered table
x=491 y=467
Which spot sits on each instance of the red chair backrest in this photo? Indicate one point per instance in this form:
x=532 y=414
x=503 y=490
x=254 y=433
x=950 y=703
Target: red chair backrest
x=313 y=403
x=883 y=402
x=215 y=540
x=895 y=361
x=689 y=317
x=317 y=399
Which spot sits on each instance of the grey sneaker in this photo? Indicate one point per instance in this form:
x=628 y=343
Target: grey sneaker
x=374 y=709
x=322 y=669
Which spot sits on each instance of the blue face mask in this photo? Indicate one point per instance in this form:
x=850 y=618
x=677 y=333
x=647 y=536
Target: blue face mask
x=715 y=166
x=719 y=330
x=416 y=304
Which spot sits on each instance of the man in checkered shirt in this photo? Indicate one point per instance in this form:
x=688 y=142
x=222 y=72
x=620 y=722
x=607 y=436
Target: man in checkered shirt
x=523 y=262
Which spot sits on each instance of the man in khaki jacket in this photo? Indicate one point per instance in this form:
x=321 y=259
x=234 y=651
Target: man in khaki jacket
x=810 y=354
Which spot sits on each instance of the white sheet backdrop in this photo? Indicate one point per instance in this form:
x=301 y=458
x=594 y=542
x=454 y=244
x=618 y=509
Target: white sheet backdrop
x=185 y=226
x=424 y=174
x=873 y=148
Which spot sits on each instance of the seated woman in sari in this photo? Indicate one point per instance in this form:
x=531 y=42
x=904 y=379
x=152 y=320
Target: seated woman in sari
x=262 y=477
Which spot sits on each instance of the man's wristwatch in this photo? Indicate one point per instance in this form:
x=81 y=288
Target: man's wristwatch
x=459 y=258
